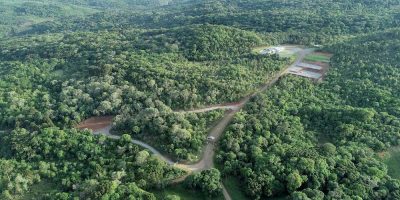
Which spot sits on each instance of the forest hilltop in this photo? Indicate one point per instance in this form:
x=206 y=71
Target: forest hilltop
x=199 y=99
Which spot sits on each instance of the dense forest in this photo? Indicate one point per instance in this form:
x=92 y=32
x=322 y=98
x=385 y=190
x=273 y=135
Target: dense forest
x=140 y=76
x=21 y=15
x=319 y=141
x=144 y=61
x=78 y=164
x=310 y=21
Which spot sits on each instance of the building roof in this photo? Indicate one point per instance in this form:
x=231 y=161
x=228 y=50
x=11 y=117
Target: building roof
x=308 y=65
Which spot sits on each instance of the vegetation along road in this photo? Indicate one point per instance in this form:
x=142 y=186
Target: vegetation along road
x=194 y=100
x=206 y=161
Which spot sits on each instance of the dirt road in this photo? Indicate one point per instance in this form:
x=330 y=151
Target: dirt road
x=206 y=161
x=225 y=193
x=232 y=106
x=208 y=154
x=106 y=131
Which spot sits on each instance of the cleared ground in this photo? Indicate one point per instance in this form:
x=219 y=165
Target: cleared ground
x=234 y=188
x=40 y=189
x=315 y=66
x=184 y=193
x=288 y=50
x=318 y=57
x=96 y=123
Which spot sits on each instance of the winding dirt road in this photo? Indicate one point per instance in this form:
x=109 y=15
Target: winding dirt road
x=106 y=131
x=208 y=154
x=206 y=161
x=231 y=106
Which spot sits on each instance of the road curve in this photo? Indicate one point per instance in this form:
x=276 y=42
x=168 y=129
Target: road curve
x=106 y=131
x=208 y=153
x=206 y=161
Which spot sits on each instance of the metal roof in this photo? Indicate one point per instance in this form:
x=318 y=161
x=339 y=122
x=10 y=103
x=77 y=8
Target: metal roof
x=311 y=66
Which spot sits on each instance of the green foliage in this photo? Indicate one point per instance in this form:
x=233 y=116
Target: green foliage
x=16 y=178
x=93 y=166
x=113 y=73
x=208 y=181
x=233 y=187
x=317 y=58
x=178 y=134
x=175 y=191
x=307 y=22
x=294 y=181
x=18 y=16
x=392 y=159
x=63 y=61
x=207 y=42
x=274 y=147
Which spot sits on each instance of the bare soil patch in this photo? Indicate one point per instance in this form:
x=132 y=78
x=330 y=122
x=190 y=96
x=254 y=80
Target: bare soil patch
x=96 y=123
x=382 y=154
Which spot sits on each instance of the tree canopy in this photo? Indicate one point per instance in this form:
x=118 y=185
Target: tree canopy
x=143 y=62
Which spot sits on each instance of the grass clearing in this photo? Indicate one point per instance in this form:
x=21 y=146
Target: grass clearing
x=183 y=193
x=257 y=50
x=234 y=188
x=40 y=189
x=317 y=58
x=392 y=159
x=323 y=138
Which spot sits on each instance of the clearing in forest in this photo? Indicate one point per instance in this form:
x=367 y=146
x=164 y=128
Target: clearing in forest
x=96 y=123
x=392 y=159
x=314 y=66
x=285 y=51
x=318 y=57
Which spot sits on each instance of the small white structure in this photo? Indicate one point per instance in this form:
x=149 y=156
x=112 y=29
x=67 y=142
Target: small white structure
x=271 y=50
x=210 y=138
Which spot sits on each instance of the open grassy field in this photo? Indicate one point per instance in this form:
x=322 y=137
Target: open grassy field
x=41 y=188
x=392 y=159
x=183 y=193
x=257 y=50
x=316 y=57
x=234 y=188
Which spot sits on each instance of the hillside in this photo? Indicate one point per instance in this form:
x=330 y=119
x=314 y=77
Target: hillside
x=305 y=22
x=198 y=99
x=21 y=15
x=318 y=141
